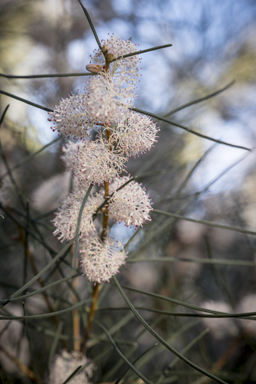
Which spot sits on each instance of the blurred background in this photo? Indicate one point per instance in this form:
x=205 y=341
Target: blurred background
x=213 y=44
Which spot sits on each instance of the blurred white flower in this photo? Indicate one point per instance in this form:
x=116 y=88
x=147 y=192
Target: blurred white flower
x=219 y=327
x=100 y=261
x=66 y=363
x=71 y=118
x=131 y=204
x=248 y=304
x=66 y=217
x=96 y=163
x=134 y=134
x=49 y=194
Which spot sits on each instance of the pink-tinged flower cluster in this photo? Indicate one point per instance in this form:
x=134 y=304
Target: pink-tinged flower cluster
x=103 y=111
x=66 y=217
x=96 y=163
x=66 y=363
x=106 y=99
x=100 y=261
x=71 y=118
x=130 y=204
x=134 y=134
x=126 y=67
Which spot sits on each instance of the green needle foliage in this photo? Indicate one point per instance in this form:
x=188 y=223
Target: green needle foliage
x=195 y=259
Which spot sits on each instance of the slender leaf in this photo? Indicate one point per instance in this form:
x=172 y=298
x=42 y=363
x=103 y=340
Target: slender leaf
x=187 y=305
x=245 y=315
x=73 y=374
x=142 y=51
x=26 y=101
x=48 y=266
x=29 y=157
x=38 y=291
x=47 y=75
x=200 y=99
x=78 y=224
x=3 y=114
x=161 y=340
x=135 y=361
x=121 y=354
x=188 y=129
x=183 y=184
x=240 y=263
x=186 y=349
x=205 y=222
x=91 y=24
x=45 y=315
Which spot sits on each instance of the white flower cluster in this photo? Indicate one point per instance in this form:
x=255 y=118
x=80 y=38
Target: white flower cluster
x=96 y=163
x=130 y=204
x=124 y=68
x=66 y=217
x=66 y=363
x=100 y=261
x=135 y=134
x=120 y=133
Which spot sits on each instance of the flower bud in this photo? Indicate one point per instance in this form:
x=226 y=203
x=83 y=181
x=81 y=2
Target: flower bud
x=104 y=49
x=94 y=68
x=110 y=56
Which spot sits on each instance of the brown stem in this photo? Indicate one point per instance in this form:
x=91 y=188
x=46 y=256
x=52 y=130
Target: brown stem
x=75 y=315
x=223 y=359
x=35 y=270
x=20 y=365
x=97 y=286
x=96 y=291
x=22 y=239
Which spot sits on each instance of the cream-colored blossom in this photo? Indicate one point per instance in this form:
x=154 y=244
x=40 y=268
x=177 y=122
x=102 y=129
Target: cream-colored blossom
x=100 y=261
x=66 y=363
x=125 y=68
x=134 y=134
x=71 y=117
x=106 y=99
x=66 y=217
x=130 y=204
x=96 y=163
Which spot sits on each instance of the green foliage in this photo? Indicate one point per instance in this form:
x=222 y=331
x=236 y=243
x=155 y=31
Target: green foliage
x=45 y=294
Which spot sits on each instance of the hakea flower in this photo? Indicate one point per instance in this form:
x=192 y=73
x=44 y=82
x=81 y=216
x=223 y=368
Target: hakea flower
x=125 y=68
x=66 y=217
x=130 y=204
x=100 y=261
x=95 y=163
x=106 y=99
x=71 y=117
x=66 y=363
x=134 y=134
